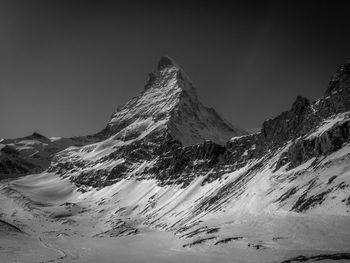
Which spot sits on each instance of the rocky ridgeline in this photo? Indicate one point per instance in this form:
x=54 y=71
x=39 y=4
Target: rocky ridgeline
x=294 y=125
x=166 y=134
x=25 y=155
x=34 y=153
x=291 y=126
x=163 y=155
x=309 y=117
x=305 y=116
x=304 y=149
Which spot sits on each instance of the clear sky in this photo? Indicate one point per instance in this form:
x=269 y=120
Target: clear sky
x=66 y=65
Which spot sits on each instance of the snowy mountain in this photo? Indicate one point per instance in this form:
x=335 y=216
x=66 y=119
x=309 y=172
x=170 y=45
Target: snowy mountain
x=169 y=103
x=33 y=153
x=145 y=134
x=166 y=163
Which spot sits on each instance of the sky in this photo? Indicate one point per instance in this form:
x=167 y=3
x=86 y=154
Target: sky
x=66 y=65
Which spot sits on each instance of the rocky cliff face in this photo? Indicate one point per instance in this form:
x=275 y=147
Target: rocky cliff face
x=315 y=129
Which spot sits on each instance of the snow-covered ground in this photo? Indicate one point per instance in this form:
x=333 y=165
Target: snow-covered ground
x=245 y=216
x=60 y=224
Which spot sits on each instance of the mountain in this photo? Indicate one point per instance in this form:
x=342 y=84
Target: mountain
x=169 y=103
x=168 y=109
x=165 y=163
x=33 y=153
x=144 y=134
x=30 y=154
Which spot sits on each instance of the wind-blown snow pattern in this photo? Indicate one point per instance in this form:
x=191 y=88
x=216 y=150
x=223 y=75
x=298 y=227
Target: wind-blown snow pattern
x=166 y=163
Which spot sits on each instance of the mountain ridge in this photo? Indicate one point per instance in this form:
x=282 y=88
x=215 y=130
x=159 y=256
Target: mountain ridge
x=283 y=190
x=151 y=115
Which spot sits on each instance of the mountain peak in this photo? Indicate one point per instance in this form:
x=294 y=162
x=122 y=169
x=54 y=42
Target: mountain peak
x=169 y=74
x=166 y=62
x=169 y=103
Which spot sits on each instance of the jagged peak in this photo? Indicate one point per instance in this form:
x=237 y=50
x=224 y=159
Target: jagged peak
x=339 y=79
x=37 y=135
x=166 y=62
x=169 y=101
x=167 y=70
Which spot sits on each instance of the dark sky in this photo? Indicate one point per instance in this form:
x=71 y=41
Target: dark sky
x=66 y=65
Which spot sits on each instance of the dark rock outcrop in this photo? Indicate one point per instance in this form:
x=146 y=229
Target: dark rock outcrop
x=322 y=145
x=289 y=124
x=335 y=257
x=165 y=62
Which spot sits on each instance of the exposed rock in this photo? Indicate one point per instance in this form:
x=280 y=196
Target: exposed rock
x=288 y=125
x=226 y=240
x=305 y=202
x=199 y=241
x=166 y=62
x=304 y=149
x=32 y=154
x=336 y=256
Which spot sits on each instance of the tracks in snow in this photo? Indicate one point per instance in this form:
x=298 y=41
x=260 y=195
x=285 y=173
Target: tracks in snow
x=63 y=254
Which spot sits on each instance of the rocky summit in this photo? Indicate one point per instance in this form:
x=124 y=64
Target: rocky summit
x=169 y=104
x=144 y=135
x=166 y=162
